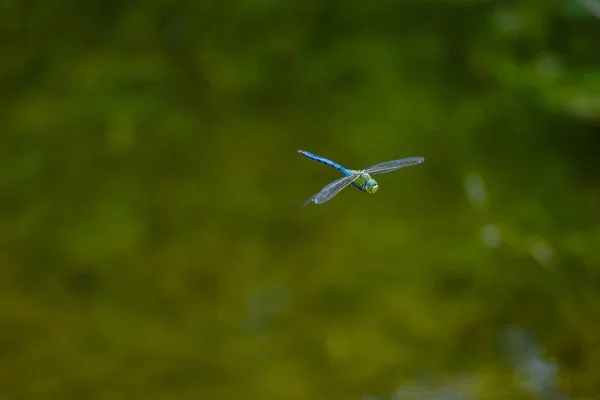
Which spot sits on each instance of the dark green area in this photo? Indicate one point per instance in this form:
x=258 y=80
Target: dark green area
x=151 y=240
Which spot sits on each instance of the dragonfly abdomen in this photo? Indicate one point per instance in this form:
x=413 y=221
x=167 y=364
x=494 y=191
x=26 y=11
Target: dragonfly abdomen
x=325 y=161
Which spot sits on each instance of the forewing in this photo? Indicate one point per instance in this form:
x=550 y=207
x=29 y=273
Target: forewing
x=390 y=166
x=329 y=191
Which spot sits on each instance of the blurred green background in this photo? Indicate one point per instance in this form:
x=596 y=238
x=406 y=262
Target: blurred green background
x=152 y=244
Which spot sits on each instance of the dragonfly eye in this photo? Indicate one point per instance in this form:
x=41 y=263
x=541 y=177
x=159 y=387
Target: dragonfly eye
x=372 y=186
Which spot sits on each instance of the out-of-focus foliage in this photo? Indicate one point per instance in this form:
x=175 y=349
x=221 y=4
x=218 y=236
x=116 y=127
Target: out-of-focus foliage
x=151 y=240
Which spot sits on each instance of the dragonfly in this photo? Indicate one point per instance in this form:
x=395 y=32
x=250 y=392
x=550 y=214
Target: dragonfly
x=361 y=179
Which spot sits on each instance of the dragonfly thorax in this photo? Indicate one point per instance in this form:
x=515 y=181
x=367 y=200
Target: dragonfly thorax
x=366 y=183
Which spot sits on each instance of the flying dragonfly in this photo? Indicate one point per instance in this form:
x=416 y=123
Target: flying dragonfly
x=359 y=178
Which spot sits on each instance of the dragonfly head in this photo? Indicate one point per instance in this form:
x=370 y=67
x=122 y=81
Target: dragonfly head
x=371 y=186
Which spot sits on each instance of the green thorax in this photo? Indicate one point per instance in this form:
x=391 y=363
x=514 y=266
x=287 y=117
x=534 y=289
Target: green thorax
x=365 y=183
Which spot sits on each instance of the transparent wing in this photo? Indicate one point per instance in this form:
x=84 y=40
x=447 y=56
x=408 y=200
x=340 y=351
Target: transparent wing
x=390 y=166
x=332 y=189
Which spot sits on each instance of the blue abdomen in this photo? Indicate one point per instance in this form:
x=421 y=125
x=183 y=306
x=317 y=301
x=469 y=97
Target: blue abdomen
x=325 y=161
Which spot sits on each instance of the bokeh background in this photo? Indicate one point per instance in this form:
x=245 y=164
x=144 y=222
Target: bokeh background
x=152 y=243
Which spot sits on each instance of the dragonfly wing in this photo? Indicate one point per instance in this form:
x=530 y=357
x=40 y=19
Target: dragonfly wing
x=307 y=202
x=390 y=166
x=329 y=191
